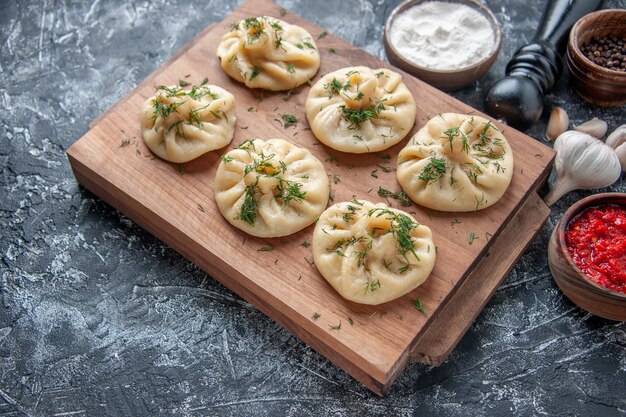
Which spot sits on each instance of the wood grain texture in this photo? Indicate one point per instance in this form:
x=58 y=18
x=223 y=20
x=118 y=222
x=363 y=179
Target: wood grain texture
x=177 y=205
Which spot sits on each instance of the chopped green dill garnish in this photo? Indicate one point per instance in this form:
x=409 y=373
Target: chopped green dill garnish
x=372 y=286
x=124 y=142
x=433 y=170
x=336 y=326
x=163 y=110
x=255 y=28
x=350 y=321
x=373 y=173
x=347 y=216
x=289 y=190
x=291 y=68
x=384 y=168
x=418 y=305
x=481 y=201
x=251 y=109
x=299 y=46
x=309 y=83
x=322 y=35
x=334 y=86
x=379 y=74
x=201 y=208
x=401 y=226
x=289 y=120
x=255 y=72
x=316 y=315
x=276 y=26
x=455 y=221
x=226 y=158
x=332 y=50
x=305 y=244
x=400 y=195
x=204 y=80
x=247 y=212
x=472 y=175
x=183 y=83
x=265 y=249
x=307 y=42
x=472 y=237
x=336 y=178
x=483 y=134
x=357 y=116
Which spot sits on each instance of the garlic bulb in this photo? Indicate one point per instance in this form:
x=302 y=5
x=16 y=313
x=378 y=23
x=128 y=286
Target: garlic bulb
x=594 y=127
x=617 y=140
x=559 y=120
x=582 y=162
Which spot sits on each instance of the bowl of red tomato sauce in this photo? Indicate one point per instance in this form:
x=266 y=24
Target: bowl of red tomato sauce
x=587 y=255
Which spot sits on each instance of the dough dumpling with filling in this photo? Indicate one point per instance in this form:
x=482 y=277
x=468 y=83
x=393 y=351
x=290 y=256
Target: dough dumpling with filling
x=359 y=109
x=265 y=52
x=179 y=125
x=371 y=253
x=271 y=188
x=456 y=163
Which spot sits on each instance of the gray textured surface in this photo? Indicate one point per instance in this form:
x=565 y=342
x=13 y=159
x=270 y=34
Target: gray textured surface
x=98 y=317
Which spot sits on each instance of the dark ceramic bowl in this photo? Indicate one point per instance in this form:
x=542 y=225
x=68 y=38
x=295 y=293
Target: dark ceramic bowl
x=446 y=80
x=571 y=280
x=596 y=84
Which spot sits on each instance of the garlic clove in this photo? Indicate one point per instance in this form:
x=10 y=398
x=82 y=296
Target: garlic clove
x=582 y=162
x=616 y=138
x=594 y=127
x=559 y=120
x=621 y=155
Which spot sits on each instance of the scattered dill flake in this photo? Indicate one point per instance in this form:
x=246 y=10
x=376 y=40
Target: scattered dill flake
x=291 y=68
x=289 y=119
x=332 y=50
x=418 y=305
x=124 y=142
x=265 y=249
x=472 y=237
x=310 y=262
x=181 y=169
x=373 y=173
x=138 y=152
x=299 y=46
x=322 y=35
x=433 y=170
x=247 y=213
x=358 y=116
x=183 y=83
x=384 y=168
x=255 y=72
x=251 y=108
x=308 y=44
x=329 y=159
x=336 y=326
x=350 y=321
x=385 y=156
x=399 y=195
x=316 y=315
x=204 y=80
x=309 y=83
x=455 y=221
x=201 y=208
x=305 y=244
x=336 y=178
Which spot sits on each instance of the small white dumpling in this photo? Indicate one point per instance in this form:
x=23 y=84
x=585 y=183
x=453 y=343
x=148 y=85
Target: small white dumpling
x=371 y=253
x=271 y=188
x=265 y=52
x=179 y=125
x=359 y=109
x=456 y=163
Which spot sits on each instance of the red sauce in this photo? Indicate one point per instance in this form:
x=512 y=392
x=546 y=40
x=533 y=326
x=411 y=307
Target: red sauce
x=596 y=240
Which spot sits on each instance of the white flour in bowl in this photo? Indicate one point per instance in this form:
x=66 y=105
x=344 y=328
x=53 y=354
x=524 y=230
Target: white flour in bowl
x=442 y=35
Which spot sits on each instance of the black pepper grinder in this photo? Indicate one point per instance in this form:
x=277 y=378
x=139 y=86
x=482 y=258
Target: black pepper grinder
x=537 y=66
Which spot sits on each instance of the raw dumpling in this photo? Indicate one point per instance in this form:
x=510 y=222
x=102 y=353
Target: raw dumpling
x=180 y=125
x=271 y=188
x=359 y=109
x=371 y=253
x=456 y=163
x=264 y=52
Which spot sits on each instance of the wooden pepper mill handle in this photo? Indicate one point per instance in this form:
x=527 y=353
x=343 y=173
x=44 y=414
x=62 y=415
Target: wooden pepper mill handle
x=536 y=67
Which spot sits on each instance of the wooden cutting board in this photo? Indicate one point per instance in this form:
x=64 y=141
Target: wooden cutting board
x=175 y=203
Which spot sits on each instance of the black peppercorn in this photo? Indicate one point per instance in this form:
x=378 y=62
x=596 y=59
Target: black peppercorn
x=608 y=52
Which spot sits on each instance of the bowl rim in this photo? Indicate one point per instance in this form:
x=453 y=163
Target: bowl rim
x=481 y=8
x=572 y=43
x=574 y=210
